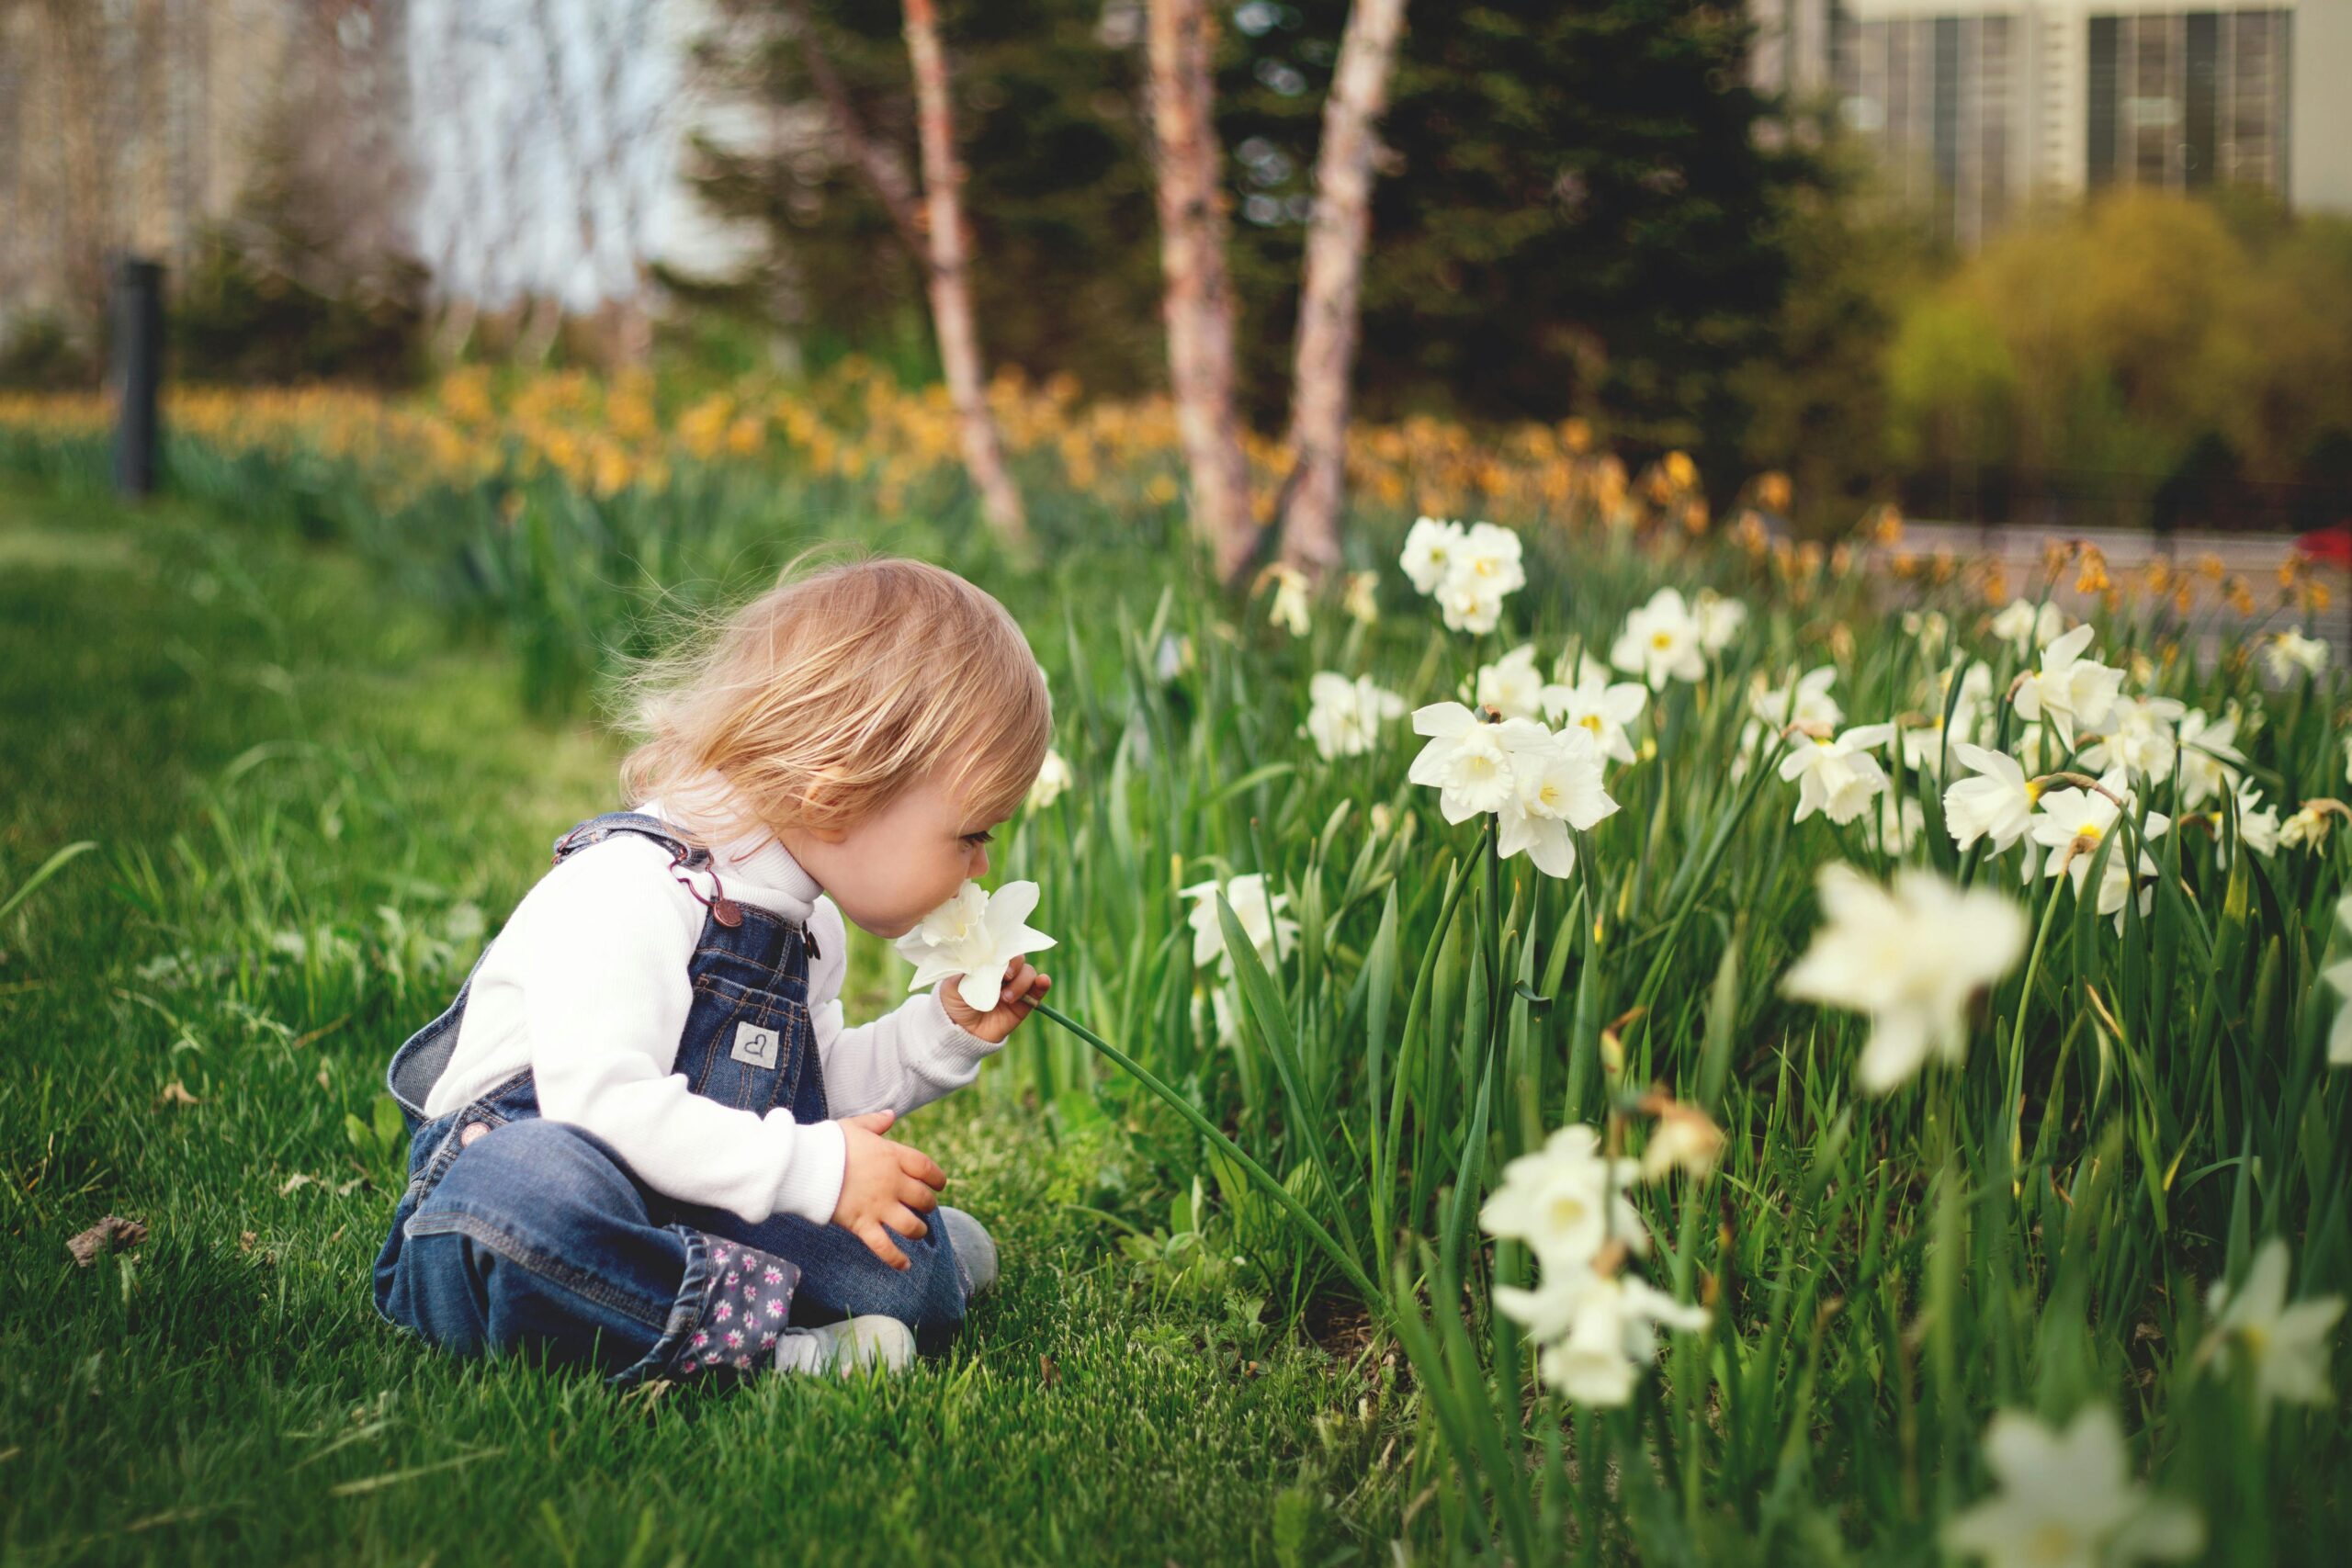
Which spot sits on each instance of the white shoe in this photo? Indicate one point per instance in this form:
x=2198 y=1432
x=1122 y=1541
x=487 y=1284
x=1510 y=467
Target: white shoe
x=974 y=1249
x=845 y=1347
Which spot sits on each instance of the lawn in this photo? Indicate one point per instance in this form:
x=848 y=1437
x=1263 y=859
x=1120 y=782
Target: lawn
x=311 y=801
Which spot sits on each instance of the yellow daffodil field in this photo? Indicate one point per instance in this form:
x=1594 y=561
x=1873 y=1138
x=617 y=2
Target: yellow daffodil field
x=1801 y=1051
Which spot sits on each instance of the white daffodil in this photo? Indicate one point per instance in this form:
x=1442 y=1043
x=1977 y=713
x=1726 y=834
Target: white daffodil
x=1556 y=787
x=1362 y=598
x=2209 y=756
x=1260 y=917
x=1996 y=804
x=1564 y=1202
x=1838 y=776
x=1464 y=762
x=1910 y=958
x=2139 y=738
x=1598 y=707
x=1290 y=609
x=1469 y=604
x=1924 y=746
x=2069 y=690
x=1719 y=619
x=1054 y=777
x=2257 y=826
x=2338 y=977
x=2024 y=626
x=1661 y=642
x=1491 y=556
x=2066 y=1500
x=1344 y=716
x=1803 y=700
x=1512 y=685
x=2286 y=1345
x=2348 y=759
x=1684 y=1139
x=2073 y=823
x=1431 y=549
x=1929 y=628
x=2306 y=829
x=2289 y=653
x=973 y=939
x=1595 y=1333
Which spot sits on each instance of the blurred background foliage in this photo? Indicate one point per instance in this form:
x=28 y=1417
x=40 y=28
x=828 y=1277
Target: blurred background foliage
x=1585 y=210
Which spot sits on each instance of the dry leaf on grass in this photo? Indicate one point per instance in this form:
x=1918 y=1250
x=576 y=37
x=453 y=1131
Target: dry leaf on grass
x=109 y=1234
x=176 y=1093
x=296 y=1180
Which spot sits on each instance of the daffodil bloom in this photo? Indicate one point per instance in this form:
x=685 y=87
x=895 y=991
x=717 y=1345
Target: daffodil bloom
x=1804 y=700
x=2289 y=653
x=1361 y=599
x=2288 y=1345
x=1719 y=619
x=1290 y=609
x=2139 y=738
x=1910 y=958
x=1512 y=685
x=973 y=939
x=2257 y=826
x=2070 y=689
x=1660 y=642
x=1924 y=746
x=1838 y=776
x=2209 y=757
x=2066 y=1500
x=1469 y=605
x=1464 y=762
x=2338 y=977
x=1595 y=1333
x=1430 y=547
x=1344 y=716
x=2306 y=829
x=1556 y=787
x=1684 y=1139
x=1996 y=803
x=1261 y=918
x=1598 y=707
x=1053 y=777
x=1491 y=556
x=1564 y=1202
x=2073 y=823
x=2024 y=626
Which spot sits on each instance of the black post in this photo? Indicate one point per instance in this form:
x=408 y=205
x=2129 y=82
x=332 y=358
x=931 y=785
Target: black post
x=137 y=371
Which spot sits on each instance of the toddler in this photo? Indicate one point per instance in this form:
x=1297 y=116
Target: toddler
x=641 y=1138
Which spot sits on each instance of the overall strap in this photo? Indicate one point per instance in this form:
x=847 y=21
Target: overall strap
x=683 y=857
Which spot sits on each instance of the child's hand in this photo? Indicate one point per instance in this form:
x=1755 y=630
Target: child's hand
x=884 y=1186
x=1025 y=986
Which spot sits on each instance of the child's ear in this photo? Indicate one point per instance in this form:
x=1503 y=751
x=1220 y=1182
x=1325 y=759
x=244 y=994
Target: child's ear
x=820 y=799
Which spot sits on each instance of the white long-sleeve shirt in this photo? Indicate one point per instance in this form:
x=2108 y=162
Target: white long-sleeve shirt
x=587 y=985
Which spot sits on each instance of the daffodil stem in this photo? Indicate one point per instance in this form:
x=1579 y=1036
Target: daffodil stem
x=1373 y=1297
x=2013 y=1068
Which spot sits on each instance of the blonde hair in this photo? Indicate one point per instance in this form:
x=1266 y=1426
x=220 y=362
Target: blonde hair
x=824 y=698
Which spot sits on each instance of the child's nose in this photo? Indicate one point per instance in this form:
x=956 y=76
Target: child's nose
x=979 y=863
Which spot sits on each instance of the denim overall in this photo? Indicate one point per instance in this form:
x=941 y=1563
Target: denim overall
x=517 y=1231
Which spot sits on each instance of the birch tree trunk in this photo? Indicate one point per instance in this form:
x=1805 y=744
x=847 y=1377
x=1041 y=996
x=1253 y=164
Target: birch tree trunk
x=951 y=298
x=1199 y=298
x=1328 y=313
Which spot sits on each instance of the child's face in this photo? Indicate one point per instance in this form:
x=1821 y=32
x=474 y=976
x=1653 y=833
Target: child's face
x=894 y=867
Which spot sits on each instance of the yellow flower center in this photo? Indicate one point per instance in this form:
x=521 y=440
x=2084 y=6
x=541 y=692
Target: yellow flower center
x=1591 y=721
x=1661 y=639
x=2054 y=1540
x=2092 y=831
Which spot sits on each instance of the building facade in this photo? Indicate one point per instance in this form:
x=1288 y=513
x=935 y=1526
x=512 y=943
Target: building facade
x=1978 y=107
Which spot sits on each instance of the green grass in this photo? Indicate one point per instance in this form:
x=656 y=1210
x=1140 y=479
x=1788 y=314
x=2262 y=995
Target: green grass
x=302 y=790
